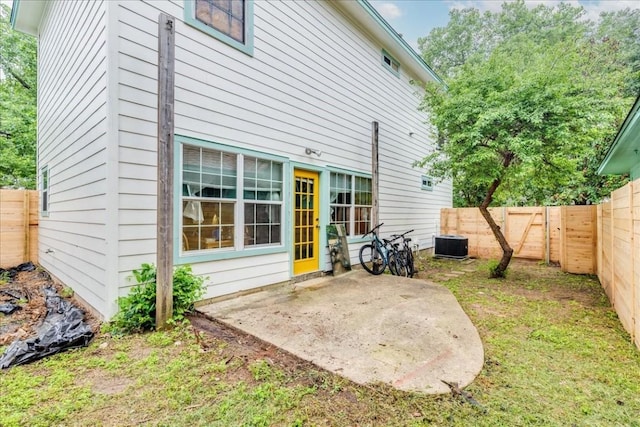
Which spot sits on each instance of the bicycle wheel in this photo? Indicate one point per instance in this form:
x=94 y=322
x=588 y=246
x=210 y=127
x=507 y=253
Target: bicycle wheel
x=397 y=265
x=411 y=268
x=371 y=260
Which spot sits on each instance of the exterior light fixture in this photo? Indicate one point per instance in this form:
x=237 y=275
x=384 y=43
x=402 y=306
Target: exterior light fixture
x=312 y=151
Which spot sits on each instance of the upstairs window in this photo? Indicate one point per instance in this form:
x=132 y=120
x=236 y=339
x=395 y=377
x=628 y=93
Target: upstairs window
x=226 y=16
x=426 y=183
x=390 y=63
x=230 y=21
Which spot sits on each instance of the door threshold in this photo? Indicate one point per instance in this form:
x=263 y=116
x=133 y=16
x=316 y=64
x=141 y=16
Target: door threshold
x=307 y=276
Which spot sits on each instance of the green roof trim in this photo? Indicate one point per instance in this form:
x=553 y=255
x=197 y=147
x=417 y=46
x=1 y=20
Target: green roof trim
x=624 y=154
x=14 y=13
x=402 y=42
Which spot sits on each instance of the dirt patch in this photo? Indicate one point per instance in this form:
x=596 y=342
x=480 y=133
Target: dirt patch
x=102 y=382
x=25 y=290
x=237 y=344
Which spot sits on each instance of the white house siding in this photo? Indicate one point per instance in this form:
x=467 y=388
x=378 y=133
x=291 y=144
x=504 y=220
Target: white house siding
x=72 y=143
x=315 y=80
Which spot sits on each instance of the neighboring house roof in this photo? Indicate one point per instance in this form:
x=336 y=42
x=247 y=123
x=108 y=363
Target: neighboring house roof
x=26 y=16
x=624 y=154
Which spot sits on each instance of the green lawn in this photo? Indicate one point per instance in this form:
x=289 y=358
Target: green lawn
x=555 y=354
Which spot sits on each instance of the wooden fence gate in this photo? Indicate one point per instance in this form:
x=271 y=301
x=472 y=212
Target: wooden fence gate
x=560 y=234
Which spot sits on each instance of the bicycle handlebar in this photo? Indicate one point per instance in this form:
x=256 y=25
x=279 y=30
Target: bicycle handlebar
x=373 y=229
x=403 y=234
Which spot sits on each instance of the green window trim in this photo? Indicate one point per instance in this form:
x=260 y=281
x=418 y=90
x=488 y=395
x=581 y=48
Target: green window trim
x=237 y=251
x=426 y=183
x=390 y=63
x=351 y=208
x=246 y=47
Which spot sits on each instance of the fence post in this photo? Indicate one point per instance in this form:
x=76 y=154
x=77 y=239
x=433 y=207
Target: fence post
x=612 y=253
x=594 y=237
x=547 y=234
x=634 y=295
x=25 y=202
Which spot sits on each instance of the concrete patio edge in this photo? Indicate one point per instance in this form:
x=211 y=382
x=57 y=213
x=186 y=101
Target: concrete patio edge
x=409 y=333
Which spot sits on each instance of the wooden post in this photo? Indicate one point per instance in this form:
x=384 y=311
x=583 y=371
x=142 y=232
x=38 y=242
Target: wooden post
x=27 y=234
x=632 y=273
x=547 y=234
x=166 y=68
x=375 y=178
x=594 y=238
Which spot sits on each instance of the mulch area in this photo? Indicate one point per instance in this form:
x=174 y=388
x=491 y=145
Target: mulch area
x=23 y=286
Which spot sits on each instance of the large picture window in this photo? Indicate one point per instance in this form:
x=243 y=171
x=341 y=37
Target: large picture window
x=224 y=208
x=350 y=202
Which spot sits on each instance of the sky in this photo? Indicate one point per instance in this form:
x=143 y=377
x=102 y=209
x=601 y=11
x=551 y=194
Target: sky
x=416 y=18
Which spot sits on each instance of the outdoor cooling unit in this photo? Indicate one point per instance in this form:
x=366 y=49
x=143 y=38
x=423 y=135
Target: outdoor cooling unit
x=452 y=246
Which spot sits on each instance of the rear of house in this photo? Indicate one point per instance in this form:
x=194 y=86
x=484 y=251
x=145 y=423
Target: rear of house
x=273 y=138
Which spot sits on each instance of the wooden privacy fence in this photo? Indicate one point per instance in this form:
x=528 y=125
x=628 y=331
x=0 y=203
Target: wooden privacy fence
x=18 y=227
x=602 y=240
x=560 y=234
x=618 y=254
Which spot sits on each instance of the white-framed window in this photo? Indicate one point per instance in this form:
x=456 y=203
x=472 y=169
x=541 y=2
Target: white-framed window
x=390 y=63
x=44 y=190
x=230 y=201
x=230 y=21
x=350 y=202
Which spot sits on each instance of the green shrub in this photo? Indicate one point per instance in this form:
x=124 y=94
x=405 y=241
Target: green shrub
x=137 y=311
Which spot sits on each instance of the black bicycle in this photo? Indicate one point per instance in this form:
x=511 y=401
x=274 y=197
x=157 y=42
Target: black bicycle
x=405 y=253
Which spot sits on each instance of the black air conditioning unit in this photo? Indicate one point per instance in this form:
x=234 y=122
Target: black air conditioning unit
x=452 y=246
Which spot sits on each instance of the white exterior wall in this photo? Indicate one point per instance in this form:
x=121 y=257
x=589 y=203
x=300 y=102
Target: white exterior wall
x=72 y=135
x=315 y=80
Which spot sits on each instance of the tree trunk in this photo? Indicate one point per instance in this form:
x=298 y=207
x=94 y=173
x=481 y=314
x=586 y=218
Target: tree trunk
x=507 y=251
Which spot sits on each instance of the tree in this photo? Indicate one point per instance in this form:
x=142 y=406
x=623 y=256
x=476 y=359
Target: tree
x=614 y=46
x=622 y=29
x=18 y=89
x=523 y=117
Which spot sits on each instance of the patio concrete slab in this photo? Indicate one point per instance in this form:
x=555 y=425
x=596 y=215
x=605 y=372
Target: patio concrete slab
x=405 y=332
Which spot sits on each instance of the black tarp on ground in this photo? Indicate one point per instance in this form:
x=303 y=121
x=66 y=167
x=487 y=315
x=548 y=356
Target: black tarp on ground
x=63 y=328
x=12 y=272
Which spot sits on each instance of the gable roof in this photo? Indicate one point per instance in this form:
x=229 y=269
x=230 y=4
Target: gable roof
x=624 y=153
x=26 y=16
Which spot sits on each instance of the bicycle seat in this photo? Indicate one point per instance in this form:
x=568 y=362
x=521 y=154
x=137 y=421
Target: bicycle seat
x=407 y=239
